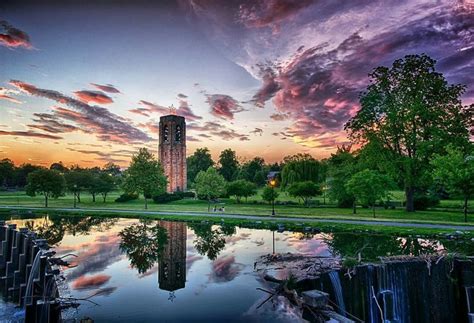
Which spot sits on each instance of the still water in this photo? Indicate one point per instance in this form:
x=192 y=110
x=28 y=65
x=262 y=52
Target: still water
x=141 y=270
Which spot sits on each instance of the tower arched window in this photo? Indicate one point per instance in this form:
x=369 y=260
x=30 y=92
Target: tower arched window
x=165 y=133
x=178 y=133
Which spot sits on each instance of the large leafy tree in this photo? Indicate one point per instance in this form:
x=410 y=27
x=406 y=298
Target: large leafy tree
x=201 y=160
x=49 y=183
x=341 y=166
x=144 y=243
x=412 y=112
x=269 y=194
x=228 y=164
x=455 y=169
x=241 y=188
x=300 y=168
x=254 y=171
x=210 y=185
x=304 y=190
x=21 y=173
x=145 y=175
x=209 y=241
x=105 y=184
x=369 y=186
x=78 y=180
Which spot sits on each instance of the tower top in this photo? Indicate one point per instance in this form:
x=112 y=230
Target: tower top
x=172 y=109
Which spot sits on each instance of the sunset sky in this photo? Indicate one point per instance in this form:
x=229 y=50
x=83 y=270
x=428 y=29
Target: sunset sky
x=87 y=83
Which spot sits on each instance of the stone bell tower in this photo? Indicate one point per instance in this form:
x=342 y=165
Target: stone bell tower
x=172 y=151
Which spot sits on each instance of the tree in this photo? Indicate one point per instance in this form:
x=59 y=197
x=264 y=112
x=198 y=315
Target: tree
x=251 y=169
x=145 y=176
x=241 y=188
x=411 y=111
x=300 y=168
x=144 y=244
x=105 y=185
x=210 y=185
x=59 y=166
x=269 y=194
x=369 y=186
x=112 y=169
x=304 y=190
x=229 y=165
x=456 y=170
x=201 y=160
x=341 y=166
x=77 y=180
x=21 y=173
x=7 y=169
x=49 y=183
x=209 y=242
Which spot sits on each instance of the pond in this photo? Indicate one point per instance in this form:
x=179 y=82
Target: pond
x=141 y=270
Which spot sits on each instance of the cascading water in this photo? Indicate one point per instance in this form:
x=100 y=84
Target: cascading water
x=33 y=274
x=337 y=287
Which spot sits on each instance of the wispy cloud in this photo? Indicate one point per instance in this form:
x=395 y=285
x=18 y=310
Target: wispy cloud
x=29 y=134
x=93 y=96
x=109 y=88
x=106 y=125
x=13 y=37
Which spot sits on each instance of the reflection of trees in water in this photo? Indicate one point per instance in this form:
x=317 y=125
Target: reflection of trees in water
x=373 y=246
x=143 y=243
x=53 y=228
x=209 y=241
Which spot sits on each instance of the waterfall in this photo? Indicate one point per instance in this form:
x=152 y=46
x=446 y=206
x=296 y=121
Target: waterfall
x=34 y=272
x=336 y=285
x=373 y=310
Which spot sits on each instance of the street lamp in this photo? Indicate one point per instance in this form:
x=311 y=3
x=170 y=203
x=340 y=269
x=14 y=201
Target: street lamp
x=272 y=184
x=75 y=188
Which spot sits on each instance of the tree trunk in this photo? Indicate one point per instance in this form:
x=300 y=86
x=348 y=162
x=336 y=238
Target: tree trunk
x=93 y=197
x=104 y=196
x=466 y=199
x=208 y=206
x=410 y=199
x=45 y=200
x=146 y=202
x=373 y=210
x=354 y=210
x=78 y=197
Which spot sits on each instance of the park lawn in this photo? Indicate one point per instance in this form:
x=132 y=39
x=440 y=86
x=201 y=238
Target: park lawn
x=231 y=207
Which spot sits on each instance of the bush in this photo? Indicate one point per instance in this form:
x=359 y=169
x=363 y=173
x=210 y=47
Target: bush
x=166 y=198
x=125 y=197
x=424 y=201
x=185 y=194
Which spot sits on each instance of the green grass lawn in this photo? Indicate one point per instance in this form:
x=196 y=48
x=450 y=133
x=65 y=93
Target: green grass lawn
x=324 y=211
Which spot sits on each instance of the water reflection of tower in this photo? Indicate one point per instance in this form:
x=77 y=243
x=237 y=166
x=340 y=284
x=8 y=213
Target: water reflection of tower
x=172 y=273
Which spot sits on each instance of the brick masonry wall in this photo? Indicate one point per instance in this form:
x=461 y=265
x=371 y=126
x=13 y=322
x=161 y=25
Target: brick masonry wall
x=172 y=153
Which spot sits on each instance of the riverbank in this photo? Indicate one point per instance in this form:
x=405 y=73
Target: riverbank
x=464 y=232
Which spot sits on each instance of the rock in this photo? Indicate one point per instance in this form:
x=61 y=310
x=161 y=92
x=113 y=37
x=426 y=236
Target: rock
x=315 y=298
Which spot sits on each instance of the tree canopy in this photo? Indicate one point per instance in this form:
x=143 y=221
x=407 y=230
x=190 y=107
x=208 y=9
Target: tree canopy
x=145 y=175
x=49 y=183
x=301 y=168
x=210 y=185
x=455 y=170
x=241 y=188
x=200 y=160
x=304 y=190
x=413 y=112
x=228 y=164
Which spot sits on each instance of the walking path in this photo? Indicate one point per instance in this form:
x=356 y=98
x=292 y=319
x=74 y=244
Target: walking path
x=252 y=217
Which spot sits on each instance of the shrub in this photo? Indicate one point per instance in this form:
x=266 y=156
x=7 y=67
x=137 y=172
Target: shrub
x=424 y=201
x=166 y=198
x=125 y=197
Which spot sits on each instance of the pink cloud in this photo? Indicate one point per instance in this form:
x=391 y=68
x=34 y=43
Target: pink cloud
x=223 y=106
x=109 y=88
x=13 y=37
x=93 y=96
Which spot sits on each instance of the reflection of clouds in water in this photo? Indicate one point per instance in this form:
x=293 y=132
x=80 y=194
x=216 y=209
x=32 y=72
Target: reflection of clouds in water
x=259 y=242
x=149 y=272
x=104 y=291
x=225 y=269
x=232 y=240
x=95 y=257
x=313 y=246
x=90 y=282
x=190 y=260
